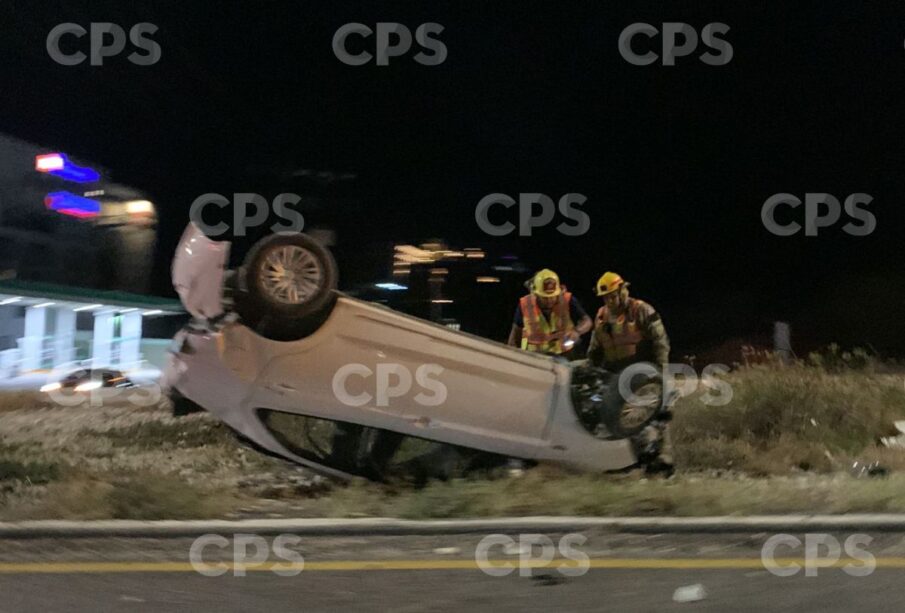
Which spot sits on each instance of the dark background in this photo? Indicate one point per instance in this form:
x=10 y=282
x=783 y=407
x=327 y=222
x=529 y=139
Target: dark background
x=676 y=161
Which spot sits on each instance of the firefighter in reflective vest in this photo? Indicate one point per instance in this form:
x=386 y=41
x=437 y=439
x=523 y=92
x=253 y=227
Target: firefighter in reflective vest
x=626 y=330
x=549 y=319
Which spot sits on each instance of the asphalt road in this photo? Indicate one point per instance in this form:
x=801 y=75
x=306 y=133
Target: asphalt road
x=607 y=590
x=629 y=573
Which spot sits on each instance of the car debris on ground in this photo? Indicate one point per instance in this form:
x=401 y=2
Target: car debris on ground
x=689 y=593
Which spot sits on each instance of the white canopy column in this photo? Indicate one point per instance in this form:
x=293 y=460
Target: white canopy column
x=102 y=346
x=64 y=337
x=33 y=341
x=130 y=340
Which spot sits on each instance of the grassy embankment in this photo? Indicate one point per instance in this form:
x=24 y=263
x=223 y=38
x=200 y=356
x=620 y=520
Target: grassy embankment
x=784 y=443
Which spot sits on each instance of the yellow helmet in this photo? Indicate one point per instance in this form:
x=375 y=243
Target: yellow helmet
x=609 y=283
x=546 y=284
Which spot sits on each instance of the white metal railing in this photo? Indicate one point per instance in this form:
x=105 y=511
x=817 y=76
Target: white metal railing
x=11 y=360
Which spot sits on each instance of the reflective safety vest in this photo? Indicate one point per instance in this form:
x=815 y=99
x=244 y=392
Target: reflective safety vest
x=620 y=337
x=539 y=334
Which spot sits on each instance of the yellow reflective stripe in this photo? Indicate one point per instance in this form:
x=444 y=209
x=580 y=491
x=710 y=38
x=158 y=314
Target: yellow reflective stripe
x=537 y=330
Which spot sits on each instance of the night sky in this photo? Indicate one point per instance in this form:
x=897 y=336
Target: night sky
x=676 y=161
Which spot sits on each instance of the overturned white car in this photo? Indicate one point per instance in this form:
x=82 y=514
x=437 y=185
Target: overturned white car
x=281 y=340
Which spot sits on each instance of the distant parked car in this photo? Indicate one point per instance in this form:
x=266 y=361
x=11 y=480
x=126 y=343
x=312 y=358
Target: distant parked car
x=86 y=380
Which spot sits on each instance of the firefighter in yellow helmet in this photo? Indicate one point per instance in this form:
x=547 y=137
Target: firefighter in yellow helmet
x=626 y=331
x=549 y=319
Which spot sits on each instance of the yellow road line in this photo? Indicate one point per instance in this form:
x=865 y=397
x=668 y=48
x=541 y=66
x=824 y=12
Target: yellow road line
x=366 y=565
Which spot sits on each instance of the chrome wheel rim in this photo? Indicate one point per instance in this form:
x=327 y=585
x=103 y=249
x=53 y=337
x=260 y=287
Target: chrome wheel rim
x=291 y=274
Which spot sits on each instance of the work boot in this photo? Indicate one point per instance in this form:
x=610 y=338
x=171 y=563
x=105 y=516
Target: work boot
x=659 y=468
x=653 y=447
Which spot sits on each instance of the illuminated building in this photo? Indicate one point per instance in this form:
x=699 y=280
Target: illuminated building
x=468 y=289
x=66 y=222
x=76 y=251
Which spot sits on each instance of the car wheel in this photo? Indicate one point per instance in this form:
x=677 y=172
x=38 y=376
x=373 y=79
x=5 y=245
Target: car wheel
x=290 y=282
x=603 y=411
x=626 y=417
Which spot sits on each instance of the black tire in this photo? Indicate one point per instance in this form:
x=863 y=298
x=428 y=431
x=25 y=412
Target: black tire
x=279 y=310
x=598 y=402
x=625 y=419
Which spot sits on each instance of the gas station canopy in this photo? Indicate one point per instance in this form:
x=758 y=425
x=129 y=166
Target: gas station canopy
x=29 y=293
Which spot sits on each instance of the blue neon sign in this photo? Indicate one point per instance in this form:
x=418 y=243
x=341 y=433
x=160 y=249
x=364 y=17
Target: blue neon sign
x=69 y=204
x=59 y=165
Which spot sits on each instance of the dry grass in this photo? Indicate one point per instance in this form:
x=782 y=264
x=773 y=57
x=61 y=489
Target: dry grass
x=548 y=491
x=162 y=435
x=17 y=400
x=783 y=420
x=118 y=496
x=784 y=443
x=120 y=462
